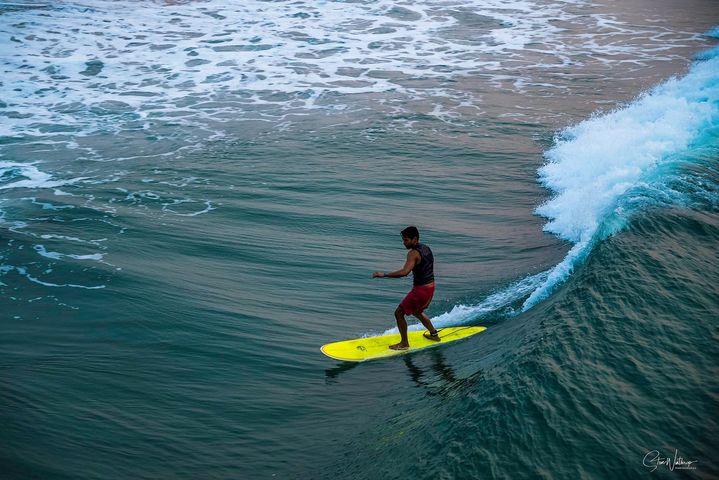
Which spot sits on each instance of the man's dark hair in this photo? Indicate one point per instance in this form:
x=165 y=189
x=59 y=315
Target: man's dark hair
x=410 y=232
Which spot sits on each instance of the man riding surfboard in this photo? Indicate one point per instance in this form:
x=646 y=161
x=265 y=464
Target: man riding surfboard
x=420 y=262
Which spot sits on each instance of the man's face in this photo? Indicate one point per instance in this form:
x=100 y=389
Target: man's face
x=409 y=242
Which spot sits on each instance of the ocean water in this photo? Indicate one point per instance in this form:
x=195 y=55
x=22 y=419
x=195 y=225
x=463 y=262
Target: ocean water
x=194 y=194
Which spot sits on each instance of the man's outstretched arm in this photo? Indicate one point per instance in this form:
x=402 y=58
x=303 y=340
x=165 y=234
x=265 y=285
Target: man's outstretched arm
x=412 y=260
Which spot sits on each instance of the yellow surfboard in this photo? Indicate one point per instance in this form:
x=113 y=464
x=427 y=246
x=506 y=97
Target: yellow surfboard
x=370 y=348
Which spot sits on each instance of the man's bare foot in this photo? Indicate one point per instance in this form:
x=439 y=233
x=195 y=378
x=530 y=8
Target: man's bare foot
x=399 y=346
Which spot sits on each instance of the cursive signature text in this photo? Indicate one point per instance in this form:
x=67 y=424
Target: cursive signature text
x=654 y=459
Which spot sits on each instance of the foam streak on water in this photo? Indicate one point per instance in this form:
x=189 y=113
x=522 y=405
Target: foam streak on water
x=27 y=175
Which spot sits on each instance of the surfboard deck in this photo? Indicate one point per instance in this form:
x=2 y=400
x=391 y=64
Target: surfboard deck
x=371 y=348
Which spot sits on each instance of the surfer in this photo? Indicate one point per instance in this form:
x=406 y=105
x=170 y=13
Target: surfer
x=421 y=263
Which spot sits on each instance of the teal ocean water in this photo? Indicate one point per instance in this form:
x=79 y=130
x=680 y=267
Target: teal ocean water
x=194 y=194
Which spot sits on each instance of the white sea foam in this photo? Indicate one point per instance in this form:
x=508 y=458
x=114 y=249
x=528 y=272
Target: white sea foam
x=89 y=66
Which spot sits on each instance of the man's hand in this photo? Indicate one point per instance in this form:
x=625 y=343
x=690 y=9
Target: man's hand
x=378 y=275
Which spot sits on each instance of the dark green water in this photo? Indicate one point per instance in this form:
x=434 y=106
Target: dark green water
x=170 y=267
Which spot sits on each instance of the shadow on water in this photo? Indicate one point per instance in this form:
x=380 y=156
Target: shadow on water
x=439 y=366
x=332 y=373
x=438 y=377
x=416 y=374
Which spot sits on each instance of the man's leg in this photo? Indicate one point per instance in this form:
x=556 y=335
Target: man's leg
x=425 y=321
x=432 y=335
x=402 y=327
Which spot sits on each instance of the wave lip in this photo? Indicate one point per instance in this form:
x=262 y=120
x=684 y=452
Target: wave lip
x=596 y=165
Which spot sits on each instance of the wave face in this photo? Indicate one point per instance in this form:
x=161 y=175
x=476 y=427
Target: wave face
x=608 y=168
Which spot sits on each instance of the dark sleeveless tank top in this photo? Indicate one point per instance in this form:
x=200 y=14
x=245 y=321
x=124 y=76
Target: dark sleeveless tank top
x=423 y=272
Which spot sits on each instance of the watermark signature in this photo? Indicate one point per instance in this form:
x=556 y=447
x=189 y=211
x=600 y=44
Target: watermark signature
x=655 y=459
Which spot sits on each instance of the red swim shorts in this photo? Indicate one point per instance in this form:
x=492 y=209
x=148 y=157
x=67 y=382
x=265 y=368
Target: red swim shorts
x=418 y=299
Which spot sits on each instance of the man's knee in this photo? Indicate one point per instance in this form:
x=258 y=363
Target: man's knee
x=399 y=313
